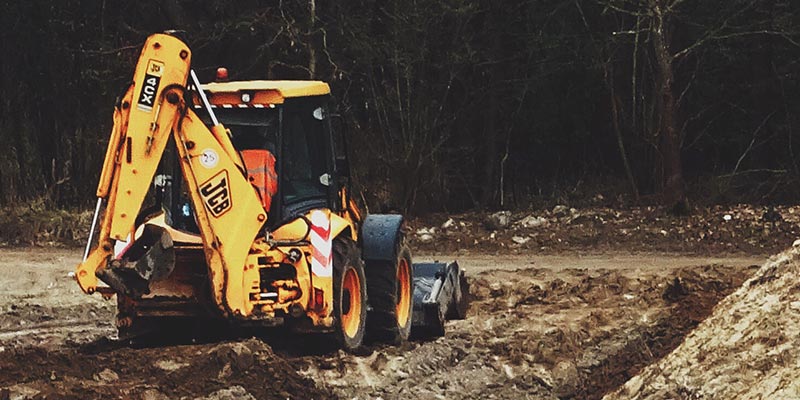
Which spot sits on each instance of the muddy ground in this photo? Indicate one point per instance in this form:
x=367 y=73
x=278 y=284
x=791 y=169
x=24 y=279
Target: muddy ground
x=567 y=303
x=569 y=326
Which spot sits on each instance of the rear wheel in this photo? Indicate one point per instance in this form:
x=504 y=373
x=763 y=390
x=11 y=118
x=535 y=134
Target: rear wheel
x=349 y=294
x=391 y=287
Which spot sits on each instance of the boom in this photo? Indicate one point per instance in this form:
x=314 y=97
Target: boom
x=153 y=107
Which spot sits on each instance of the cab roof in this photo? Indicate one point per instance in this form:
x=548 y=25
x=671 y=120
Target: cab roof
x=286 y=89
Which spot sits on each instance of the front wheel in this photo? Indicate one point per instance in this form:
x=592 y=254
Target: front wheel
x=349 y=295
x=391 y=287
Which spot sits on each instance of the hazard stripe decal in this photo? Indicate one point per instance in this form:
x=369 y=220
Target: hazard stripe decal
x=321 y=244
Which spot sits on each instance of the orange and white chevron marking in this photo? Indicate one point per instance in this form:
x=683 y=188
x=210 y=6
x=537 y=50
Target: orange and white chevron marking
x=321 y=244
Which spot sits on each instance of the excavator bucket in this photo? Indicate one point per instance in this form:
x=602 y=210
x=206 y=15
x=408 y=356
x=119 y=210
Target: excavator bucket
x=441 y=292
x=154 y=256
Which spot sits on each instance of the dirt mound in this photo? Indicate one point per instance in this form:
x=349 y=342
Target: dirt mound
x=721 y=230
x=747 y=349
x=235 y=370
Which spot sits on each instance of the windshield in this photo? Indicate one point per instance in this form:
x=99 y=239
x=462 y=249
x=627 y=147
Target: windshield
x=251 y=128
x=296 y=134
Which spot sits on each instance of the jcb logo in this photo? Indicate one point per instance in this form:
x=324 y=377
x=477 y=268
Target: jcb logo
x=152 y=79
x=216 y=195
x=154 y=68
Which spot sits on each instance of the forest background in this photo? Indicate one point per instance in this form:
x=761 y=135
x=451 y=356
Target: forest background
x=450 y=105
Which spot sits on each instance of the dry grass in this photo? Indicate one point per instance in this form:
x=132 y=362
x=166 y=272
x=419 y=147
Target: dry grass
x=36 y=224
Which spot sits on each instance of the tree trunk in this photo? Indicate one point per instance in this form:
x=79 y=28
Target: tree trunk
x=673 y=191
x=608 y=74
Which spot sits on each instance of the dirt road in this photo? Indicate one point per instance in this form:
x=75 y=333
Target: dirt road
x=539 y=327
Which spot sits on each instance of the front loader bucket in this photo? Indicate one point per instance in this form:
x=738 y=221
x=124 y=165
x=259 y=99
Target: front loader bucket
x=151 y=258
x=441 y=292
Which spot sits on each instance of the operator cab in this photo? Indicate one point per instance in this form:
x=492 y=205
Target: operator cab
x=281 y=130
x=296 y=134
x=287 y=120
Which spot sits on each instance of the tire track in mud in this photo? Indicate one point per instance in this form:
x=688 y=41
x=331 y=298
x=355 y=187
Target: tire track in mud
x=52 y=329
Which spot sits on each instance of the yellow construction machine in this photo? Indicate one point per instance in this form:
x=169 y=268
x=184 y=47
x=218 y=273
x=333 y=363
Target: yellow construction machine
x=250 y=222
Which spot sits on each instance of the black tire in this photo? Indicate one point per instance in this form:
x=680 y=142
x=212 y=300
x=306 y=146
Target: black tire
x=350 y=323
x=389 y=296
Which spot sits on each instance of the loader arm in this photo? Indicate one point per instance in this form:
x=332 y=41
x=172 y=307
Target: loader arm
x=222 y=198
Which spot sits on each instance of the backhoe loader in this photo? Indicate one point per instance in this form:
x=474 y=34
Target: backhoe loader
x=243 y=214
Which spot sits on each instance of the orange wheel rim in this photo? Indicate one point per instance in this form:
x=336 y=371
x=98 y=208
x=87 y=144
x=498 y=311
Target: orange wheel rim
x=403 y=292
x=351 y=303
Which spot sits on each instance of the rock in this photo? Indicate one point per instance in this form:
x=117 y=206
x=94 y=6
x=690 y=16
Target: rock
x=530 y=222
x=169 y=365
x=509 y=371
x=423 y=231
x=18 y=392
x=425 y=234
x=520 y=239
x=565 y=379
x=498 y=220
x=727 y=217
x=231 y=393
x=496 y=289
x=448 y=224
x=153 y=394
x=106 y=376
x=512 y=302
x=238 y=355
x=560 y=210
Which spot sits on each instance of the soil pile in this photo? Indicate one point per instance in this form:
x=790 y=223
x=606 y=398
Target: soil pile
x=722 y=230
x=245 y=369
x=747 y=349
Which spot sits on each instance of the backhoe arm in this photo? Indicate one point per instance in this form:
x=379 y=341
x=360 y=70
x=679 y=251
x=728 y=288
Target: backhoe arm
x=228 y=211
x=142 y=123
